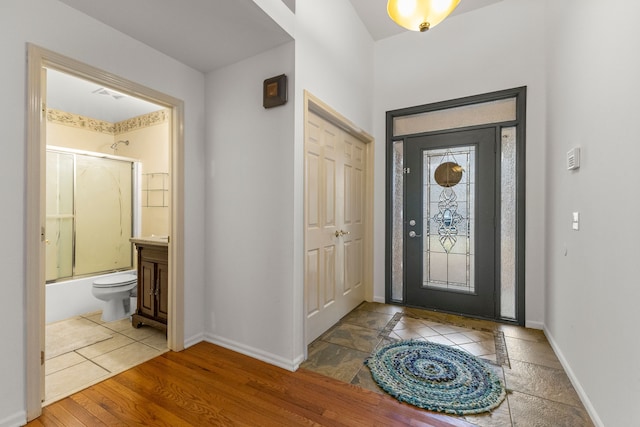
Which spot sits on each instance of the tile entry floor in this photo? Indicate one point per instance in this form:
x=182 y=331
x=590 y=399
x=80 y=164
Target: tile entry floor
x=119 y=347
x=539 y=393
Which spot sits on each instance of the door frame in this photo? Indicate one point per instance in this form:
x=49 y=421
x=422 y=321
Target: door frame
x=313 y=104
x=519 y=94
x=37 y=59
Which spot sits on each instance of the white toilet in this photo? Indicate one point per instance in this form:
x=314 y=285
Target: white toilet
x=115 y=292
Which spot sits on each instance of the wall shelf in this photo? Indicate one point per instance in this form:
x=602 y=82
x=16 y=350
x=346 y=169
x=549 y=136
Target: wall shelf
x=155 y=190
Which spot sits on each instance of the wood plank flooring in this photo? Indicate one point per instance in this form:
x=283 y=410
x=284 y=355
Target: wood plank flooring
x=207 y=385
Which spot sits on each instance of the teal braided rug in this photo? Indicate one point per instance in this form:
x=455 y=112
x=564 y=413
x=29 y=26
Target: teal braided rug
x=436 y=377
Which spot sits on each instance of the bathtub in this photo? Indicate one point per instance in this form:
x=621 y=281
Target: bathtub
x=73 y=297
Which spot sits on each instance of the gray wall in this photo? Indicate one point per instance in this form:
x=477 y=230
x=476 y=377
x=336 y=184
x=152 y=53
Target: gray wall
x=592 y=275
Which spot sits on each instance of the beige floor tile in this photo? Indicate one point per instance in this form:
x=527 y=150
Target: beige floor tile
x=439 y=339
x=531 y=411
x=476 y=336
x=334 y=360
x=353 y=336
x=445 y=329
x=157 y=340
x=407 y=334
x=95 y=317
x=519 y=332
x=539 y=353
x=480 y=348
x=126 y=357
x=61 y=362
x=381 y=308
x=459 y=338
x=138 y=334
x=116 y=341
x=66 y=381
x=541 y=381
x=426 y=332
x=409 y=323
x=119 y=325
x=489 y=357
x=499 y=417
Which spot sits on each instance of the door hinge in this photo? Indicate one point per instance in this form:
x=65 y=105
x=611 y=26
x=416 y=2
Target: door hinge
x=43 y=233
x=406 y=170
x=42 y=357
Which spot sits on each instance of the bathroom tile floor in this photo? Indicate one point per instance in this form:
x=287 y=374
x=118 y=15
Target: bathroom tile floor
x=539 y=393
x=96 y=351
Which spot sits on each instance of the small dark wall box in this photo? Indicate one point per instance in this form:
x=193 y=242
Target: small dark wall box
x=274 y=91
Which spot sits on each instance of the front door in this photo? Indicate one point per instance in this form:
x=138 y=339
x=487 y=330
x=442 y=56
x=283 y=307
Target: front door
x=450 y=210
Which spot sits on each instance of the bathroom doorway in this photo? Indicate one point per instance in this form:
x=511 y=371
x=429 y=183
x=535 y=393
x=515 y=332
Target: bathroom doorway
x=118 y=140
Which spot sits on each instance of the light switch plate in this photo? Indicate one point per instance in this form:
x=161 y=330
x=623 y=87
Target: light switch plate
x=576 y=221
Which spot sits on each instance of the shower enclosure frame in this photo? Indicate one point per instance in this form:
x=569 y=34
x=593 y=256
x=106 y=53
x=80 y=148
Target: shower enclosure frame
x=135 y=208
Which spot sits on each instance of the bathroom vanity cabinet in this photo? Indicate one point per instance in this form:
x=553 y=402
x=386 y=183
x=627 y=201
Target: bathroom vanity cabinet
x=153 y=278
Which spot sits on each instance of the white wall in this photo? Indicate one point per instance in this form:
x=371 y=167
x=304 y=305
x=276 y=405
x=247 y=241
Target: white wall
x=57 y=27
x=249 y=208
x=593 y=293
x=494 y=48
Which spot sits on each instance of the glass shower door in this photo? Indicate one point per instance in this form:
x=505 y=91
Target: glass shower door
x=59 y=220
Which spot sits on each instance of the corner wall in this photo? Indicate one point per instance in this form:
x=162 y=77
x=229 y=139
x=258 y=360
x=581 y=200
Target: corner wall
x=249 y=206
x=494 y=48
x=54 y=26
x=592 y=291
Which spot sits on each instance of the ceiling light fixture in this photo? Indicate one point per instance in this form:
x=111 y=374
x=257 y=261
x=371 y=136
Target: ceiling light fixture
x=420 y=15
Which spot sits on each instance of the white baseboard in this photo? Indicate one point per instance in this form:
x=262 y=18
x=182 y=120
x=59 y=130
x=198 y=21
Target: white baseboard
x=574 y=380
x=188 y=342
x=14 y=420
x=379 y=299
x=272 y=359
x=534 y=325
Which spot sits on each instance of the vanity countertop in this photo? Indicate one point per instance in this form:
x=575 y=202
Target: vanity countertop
x=151 y=240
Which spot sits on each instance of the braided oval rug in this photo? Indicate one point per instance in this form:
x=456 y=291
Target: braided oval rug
x=436 y=377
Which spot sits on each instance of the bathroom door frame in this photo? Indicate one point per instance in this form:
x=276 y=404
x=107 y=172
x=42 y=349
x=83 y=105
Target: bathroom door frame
x=37 y=59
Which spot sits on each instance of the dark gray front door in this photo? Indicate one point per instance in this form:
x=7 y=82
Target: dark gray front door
x=450 y=245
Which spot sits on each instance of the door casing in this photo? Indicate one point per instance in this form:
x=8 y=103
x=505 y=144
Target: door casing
x=38 y=59
x=519 y=94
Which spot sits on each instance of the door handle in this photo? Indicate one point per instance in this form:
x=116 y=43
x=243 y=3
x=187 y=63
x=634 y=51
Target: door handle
x=413 y=234
x=340 y=233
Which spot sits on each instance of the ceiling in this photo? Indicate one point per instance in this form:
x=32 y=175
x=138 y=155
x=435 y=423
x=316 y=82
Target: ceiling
x=198 y=34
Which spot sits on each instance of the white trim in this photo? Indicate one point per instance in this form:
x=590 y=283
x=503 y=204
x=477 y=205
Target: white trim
x=381 y=300
x=574 y=381
x=38 y=59
x=256 y=353
x=14 y=420
x=534 y=325
x=191 y=341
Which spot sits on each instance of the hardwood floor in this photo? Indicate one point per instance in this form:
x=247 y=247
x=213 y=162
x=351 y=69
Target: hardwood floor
x=209 y=385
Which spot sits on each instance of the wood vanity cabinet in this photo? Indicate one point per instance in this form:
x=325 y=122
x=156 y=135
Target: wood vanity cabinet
x=153 y=289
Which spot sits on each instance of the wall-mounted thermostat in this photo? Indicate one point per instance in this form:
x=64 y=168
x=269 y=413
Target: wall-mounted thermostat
x=573 y=158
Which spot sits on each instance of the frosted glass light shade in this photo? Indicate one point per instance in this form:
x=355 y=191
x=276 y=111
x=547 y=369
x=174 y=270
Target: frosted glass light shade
x=420 y=15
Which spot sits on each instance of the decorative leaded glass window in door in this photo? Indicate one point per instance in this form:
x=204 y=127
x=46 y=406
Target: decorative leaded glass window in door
x=448 y=197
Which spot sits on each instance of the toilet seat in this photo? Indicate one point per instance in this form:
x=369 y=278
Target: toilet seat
x=116 y=281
